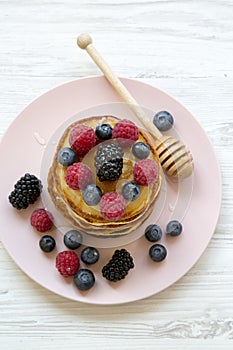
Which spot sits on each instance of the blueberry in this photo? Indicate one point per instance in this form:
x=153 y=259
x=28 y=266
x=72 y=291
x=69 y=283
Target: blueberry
x=73 y=239
x=153 y=233
x=66 y=156
x=91 y=194
x=47 y=243
x=131 y=191
x=84 y=279
x=158 y=252
x=90 y=255
x=174 y=228
x=141 y=150
x=103 y=131
x=163 y=120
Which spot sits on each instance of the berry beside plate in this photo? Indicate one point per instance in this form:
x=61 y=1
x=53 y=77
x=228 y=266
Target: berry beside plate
x=26 y=191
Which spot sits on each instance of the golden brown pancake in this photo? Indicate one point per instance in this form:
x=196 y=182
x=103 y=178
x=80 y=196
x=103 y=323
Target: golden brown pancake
x=87 y=218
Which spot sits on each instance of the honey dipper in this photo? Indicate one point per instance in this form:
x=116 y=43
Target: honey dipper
x=175 y=159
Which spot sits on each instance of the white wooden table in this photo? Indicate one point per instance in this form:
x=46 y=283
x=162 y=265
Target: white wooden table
x=182 y=47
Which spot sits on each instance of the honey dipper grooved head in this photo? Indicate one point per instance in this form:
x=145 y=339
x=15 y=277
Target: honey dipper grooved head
x=174 y=157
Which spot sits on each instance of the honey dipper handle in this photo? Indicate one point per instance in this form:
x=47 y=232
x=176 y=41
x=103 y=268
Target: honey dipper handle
x=84 y=41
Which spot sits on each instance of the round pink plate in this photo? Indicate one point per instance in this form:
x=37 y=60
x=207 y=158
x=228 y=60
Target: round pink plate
x=21 y=151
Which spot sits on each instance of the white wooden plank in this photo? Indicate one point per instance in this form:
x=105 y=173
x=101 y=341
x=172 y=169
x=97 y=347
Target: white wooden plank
x=182 y=47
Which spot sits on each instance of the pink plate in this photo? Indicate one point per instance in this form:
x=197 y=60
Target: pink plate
x=21 y=151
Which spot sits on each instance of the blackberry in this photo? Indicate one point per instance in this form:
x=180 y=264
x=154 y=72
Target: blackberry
x=107 y=152
x=109 y=162
x=26 y=191
x=111 y=170
x=119 y=266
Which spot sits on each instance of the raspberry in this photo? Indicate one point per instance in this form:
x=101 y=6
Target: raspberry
x=82 y=139
x=78 y=175
x=145 y=172
x=112 y=206
x=67 y=263
x=41 y=220
x=125 y=130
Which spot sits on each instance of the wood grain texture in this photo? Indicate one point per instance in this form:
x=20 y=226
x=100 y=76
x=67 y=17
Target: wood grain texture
x=182 y=47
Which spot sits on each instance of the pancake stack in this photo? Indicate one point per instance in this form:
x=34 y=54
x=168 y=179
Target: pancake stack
x=70 y=203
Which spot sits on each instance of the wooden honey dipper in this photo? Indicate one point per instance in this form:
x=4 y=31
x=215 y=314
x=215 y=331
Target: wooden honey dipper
x=175 y=159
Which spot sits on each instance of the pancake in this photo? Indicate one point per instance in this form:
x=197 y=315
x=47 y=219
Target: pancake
x=87 y=218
